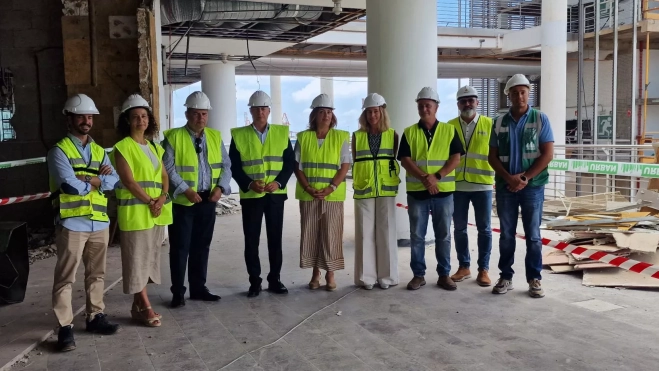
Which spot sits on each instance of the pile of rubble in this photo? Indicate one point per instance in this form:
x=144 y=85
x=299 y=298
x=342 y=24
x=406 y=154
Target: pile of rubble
x=228 y=205
x=41 y=244
x=626 y=234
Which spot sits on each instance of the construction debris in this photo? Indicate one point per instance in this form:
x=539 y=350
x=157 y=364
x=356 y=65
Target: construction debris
x=599 y=202
x=228 y=205
x=625 y=234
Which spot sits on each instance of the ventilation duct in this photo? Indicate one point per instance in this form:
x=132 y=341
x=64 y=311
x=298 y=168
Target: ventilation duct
x=235 y=14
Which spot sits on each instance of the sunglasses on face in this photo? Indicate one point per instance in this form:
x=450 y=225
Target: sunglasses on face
x=197 y=143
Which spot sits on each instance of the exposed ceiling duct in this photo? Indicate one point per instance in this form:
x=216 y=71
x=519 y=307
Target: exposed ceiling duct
x=236 y=14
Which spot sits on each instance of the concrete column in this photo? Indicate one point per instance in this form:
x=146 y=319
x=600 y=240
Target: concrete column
x=553 y=66
x=327 y=86
x=218 y=81
x=163 y=116
x=402 y=59
x=276 y=112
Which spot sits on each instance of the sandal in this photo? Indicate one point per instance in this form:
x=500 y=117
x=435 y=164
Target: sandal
x=136 y=314
x=137 y=309
x=331 y=285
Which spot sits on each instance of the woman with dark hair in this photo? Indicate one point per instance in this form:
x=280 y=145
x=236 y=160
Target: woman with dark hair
x=143 y=204
x=322 y=156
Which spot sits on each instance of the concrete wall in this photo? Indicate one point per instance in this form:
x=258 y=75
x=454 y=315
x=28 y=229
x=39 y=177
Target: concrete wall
x=31 y=46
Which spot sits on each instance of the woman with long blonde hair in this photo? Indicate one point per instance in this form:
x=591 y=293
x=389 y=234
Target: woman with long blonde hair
x=375 y=183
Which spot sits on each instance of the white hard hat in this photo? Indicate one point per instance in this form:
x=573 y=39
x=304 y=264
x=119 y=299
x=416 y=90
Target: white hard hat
x=374 y=100
x=428 y=93
x=322 y=101
x=466 y=91
x=517 y=80
x=259 y=99
x=198 y=100
x=134 y=101
x=80 y=104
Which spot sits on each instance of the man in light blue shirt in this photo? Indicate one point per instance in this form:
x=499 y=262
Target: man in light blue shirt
x=521 y=148
x=82 y=222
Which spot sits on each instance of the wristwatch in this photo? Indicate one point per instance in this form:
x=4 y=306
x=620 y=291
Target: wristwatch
x=333 y=186
x=88 y=178
x=524 y=178
x=438 y=176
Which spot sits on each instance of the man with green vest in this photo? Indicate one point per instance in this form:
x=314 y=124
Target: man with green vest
x=430 y=151
x=199 y=172
x=262 y=162
x=79 y=172
x=521 y=148
x=474 y=178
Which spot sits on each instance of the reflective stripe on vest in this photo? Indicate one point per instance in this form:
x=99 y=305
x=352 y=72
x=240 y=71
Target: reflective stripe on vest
x=430 y=159
x=186 y=159
x=132 y=213
x=320 y=165
x=529 y=144
x=375 y=177
x=474 y=166
x=92 y=205
x=261 y=161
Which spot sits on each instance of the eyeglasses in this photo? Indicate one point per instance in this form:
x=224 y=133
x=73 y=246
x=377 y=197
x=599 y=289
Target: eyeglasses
x=197 y=143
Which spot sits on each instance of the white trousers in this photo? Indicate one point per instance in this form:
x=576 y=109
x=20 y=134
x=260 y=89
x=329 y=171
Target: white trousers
x=376 y=248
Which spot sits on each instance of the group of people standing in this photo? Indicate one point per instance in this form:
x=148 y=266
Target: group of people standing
x=448 y=165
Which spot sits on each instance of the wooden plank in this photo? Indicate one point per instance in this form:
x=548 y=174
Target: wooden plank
x=594 y=265
x=641 y=242
x=562 y=268
x=555 y=257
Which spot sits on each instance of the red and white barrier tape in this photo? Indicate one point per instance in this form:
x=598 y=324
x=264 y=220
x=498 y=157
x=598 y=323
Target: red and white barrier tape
x=19 y=199
x=614 y=260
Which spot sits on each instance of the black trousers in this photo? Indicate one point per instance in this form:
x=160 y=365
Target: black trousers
x=190 y=238
x=272 y=206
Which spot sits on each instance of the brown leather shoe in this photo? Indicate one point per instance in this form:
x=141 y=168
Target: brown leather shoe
x=446 y=283
x=462 y=274
x=483 y=279
x=416 y=283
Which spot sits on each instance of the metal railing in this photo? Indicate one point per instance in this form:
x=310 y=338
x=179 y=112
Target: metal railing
x=495 y=14
x=625 y=14
x=598 y=178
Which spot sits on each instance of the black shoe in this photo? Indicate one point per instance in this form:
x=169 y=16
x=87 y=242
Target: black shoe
x=65 y=340
x=205 y=295
x=178 y=301
x=101 y=325
x=254 y=291
x=277 y=288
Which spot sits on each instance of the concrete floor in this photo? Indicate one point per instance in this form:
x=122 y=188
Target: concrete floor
x=396 y=329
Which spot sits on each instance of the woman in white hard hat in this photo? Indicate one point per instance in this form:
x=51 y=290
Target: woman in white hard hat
x=375 y=182
x=143 y=205
x=322 y=158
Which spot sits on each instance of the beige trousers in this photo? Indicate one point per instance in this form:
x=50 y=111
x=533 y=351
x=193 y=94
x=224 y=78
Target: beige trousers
x=91 y=248
x=376 y=248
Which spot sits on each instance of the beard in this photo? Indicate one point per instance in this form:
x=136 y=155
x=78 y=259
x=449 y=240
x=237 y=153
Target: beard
x=467 y=113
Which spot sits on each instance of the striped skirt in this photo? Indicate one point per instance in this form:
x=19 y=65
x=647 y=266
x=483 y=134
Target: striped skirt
x=321 y=240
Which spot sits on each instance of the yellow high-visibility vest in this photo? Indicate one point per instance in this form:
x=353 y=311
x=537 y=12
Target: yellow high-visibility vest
x=375 y=176
x=474 y=166
x=133 y=214
x=320 y=165
x=432 y=159
x=261 y=161
x=186 y=160
x=94 y=204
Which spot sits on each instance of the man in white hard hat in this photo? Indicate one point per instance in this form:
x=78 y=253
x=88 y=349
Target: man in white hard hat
x=79 y=172
x=521 y=147
x=262 y=162
x=430 y=151
x=473 y=184
x=199 y=172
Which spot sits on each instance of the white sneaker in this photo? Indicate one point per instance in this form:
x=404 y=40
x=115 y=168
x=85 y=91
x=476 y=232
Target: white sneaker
x=384 y=286
x=535 y=289
x=502 y=286
x=368 y=287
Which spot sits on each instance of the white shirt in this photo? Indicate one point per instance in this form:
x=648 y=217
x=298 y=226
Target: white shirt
x=467 y=132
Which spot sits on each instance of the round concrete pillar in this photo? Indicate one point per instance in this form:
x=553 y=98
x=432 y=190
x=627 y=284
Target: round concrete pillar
x=402 y=58
x=218 y=82
x=553 y=66
x=327 y=86
x=276 y=112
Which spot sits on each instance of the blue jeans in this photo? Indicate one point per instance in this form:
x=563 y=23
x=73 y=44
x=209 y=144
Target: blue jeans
x=530 y=200
x=441 y=210
x=482 y=201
